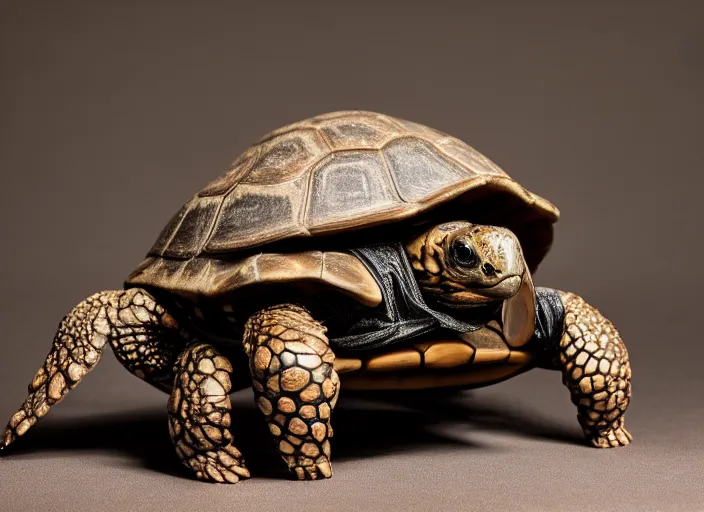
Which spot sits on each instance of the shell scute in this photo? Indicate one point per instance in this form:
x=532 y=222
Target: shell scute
x=168 y=232
x=368 y=132
x=287 y=157
x=194 y=228
x=419 y=170
x=422 y=131
x=234 y=174
x=470 y=157
x=252 y=215
x=351 y=183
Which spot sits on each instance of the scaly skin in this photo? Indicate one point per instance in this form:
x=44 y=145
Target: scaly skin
x=595 y=368
x=295 y=385
x=140 y=331
x=293 y=378
x=199 y=416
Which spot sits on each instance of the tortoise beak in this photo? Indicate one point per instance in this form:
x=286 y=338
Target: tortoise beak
x=504 y=289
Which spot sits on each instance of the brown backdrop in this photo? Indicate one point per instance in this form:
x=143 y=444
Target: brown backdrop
x=111 y=116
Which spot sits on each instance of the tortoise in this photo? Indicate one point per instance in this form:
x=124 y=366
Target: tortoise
x=352 y=249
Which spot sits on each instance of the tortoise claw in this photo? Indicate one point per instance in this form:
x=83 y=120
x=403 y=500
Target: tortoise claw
x=318 y=471
x=611 y=438
x=218 y=467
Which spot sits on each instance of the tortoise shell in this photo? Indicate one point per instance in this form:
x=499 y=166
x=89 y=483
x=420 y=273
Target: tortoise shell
x=340 y=172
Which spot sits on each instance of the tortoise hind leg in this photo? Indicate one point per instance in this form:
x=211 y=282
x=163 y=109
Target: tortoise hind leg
x=126 y=319
x=295 y=385
x=199 y=416
x=595 y=369
x=77 y=348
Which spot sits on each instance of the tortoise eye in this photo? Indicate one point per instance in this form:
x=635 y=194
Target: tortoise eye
x=462 y=253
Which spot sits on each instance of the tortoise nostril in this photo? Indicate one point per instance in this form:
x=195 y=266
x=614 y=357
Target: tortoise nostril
x=489 y=269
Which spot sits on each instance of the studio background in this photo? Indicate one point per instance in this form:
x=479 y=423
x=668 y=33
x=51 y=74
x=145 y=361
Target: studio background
x=113 y=114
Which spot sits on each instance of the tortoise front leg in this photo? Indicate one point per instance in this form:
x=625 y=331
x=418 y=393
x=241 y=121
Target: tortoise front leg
x=199 y=416
x=295 y=385
x=141 y=333
x=595 y=368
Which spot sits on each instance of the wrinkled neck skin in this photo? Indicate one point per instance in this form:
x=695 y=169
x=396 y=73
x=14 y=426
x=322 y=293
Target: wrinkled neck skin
x=462 y=265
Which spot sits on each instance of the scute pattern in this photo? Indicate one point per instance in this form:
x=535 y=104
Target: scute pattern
x=256 y=215
x=195 y=226
x=419 y=170
x=337 y=171
x=468 y=156
x=350 y=183
x=422 y=131
x=359 y=133
x=227 y=181
x=170 y=230
x=287 y=157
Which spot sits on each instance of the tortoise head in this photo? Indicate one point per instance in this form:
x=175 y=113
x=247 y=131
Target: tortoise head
x=464 y=264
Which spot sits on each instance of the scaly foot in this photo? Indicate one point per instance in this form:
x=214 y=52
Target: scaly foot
x=225 y=465
x=611 y=438
x=199 y=416
x=318 y=471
